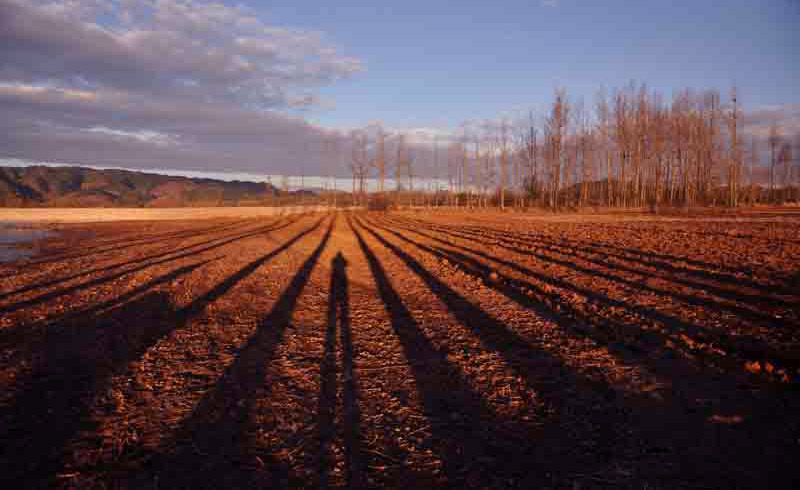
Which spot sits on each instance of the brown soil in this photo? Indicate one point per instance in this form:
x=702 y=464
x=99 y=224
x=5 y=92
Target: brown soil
x=115 y=215
x=404 y=350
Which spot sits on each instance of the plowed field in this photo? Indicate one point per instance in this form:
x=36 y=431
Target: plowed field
x=404 y=350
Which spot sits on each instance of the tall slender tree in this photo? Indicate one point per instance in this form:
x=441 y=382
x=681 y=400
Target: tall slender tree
x=774 y=140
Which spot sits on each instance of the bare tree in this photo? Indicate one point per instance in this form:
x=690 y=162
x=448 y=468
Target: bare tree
x=403 y=164
x=380 y=159
x=477 y=175
x=623 y=138
x=774 y=140
x=503 y=142
x=464 y=160
x=556 y=131
x=796 y=189
x=735 y=157
x=437 y=175
x=753 y=163
x=450 y=175
x=785 y=162
x=579 y=167
x=334 y=158
x=642 y=125
x=603 y=140
x=360 y=163
x=634 y=150
x=531 y=156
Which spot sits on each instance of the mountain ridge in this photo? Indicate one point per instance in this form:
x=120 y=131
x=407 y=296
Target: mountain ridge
x=43 y=186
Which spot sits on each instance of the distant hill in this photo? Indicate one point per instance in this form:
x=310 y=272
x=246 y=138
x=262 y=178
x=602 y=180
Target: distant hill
x=40 y=186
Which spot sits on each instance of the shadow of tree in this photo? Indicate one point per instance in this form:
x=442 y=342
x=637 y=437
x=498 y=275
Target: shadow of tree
x=747 y=347
x=72 y=372
x=171 y=256
x=467 y=433
x=584 y=251
x=76 y=361
x=631 y=427
x=216 y=446
x=125 y=243
x=86 y=272
x=659 y=260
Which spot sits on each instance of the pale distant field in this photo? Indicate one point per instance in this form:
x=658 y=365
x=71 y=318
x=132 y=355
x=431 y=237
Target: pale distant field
x=94 y=215
x=91 y=215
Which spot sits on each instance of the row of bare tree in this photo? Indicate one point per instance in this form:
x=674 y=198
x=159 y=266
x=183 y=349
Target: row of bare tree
x=633 y=149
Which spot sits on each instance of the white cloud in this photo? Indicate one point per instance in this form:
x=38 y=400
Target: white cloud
x=143 y=135
x=228 y=53
x=427 y=136
x=139 y=82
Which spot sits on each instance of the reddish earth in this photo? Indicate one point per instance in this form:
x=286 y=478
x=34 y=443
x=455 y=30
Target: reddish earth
x=404 y=350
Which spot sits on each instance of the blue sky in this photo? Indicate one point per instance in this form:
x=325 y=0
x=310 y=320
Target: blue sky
x=260 y=87
x=442 y=62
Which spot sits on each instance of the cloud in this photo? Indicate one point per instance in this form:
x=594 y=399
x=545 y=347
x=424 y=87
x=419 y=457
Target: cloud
x=549 y=3
x=423 y=136
x=179 y=49
x=147 y=136
x=157 y=82
x=757 y=123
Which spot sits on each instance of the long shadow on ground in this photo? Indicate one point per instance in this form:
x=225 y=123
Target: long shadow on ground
x=73 y=368
x=85 y=272
x=748 y=347
x=216 y=446
x=665 y=431
x=472 y=440
x=23 y=333
x=661 y=261
x=594 y=254
x=169 y=256
x=124 y=243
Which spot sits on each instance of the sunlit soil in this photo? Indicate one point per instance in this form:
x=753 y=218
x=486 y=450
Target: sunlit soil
x=406 y=350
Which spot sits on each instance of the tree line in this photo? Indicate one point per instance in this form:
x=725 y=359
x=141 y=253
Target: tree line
x=629 y=148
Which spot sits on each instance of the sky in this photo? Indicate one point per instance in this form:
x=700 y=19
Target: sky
x=258 y=87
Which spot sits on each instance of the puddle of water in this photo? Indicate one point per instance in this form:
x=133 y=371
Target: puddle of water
x=11 y=234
